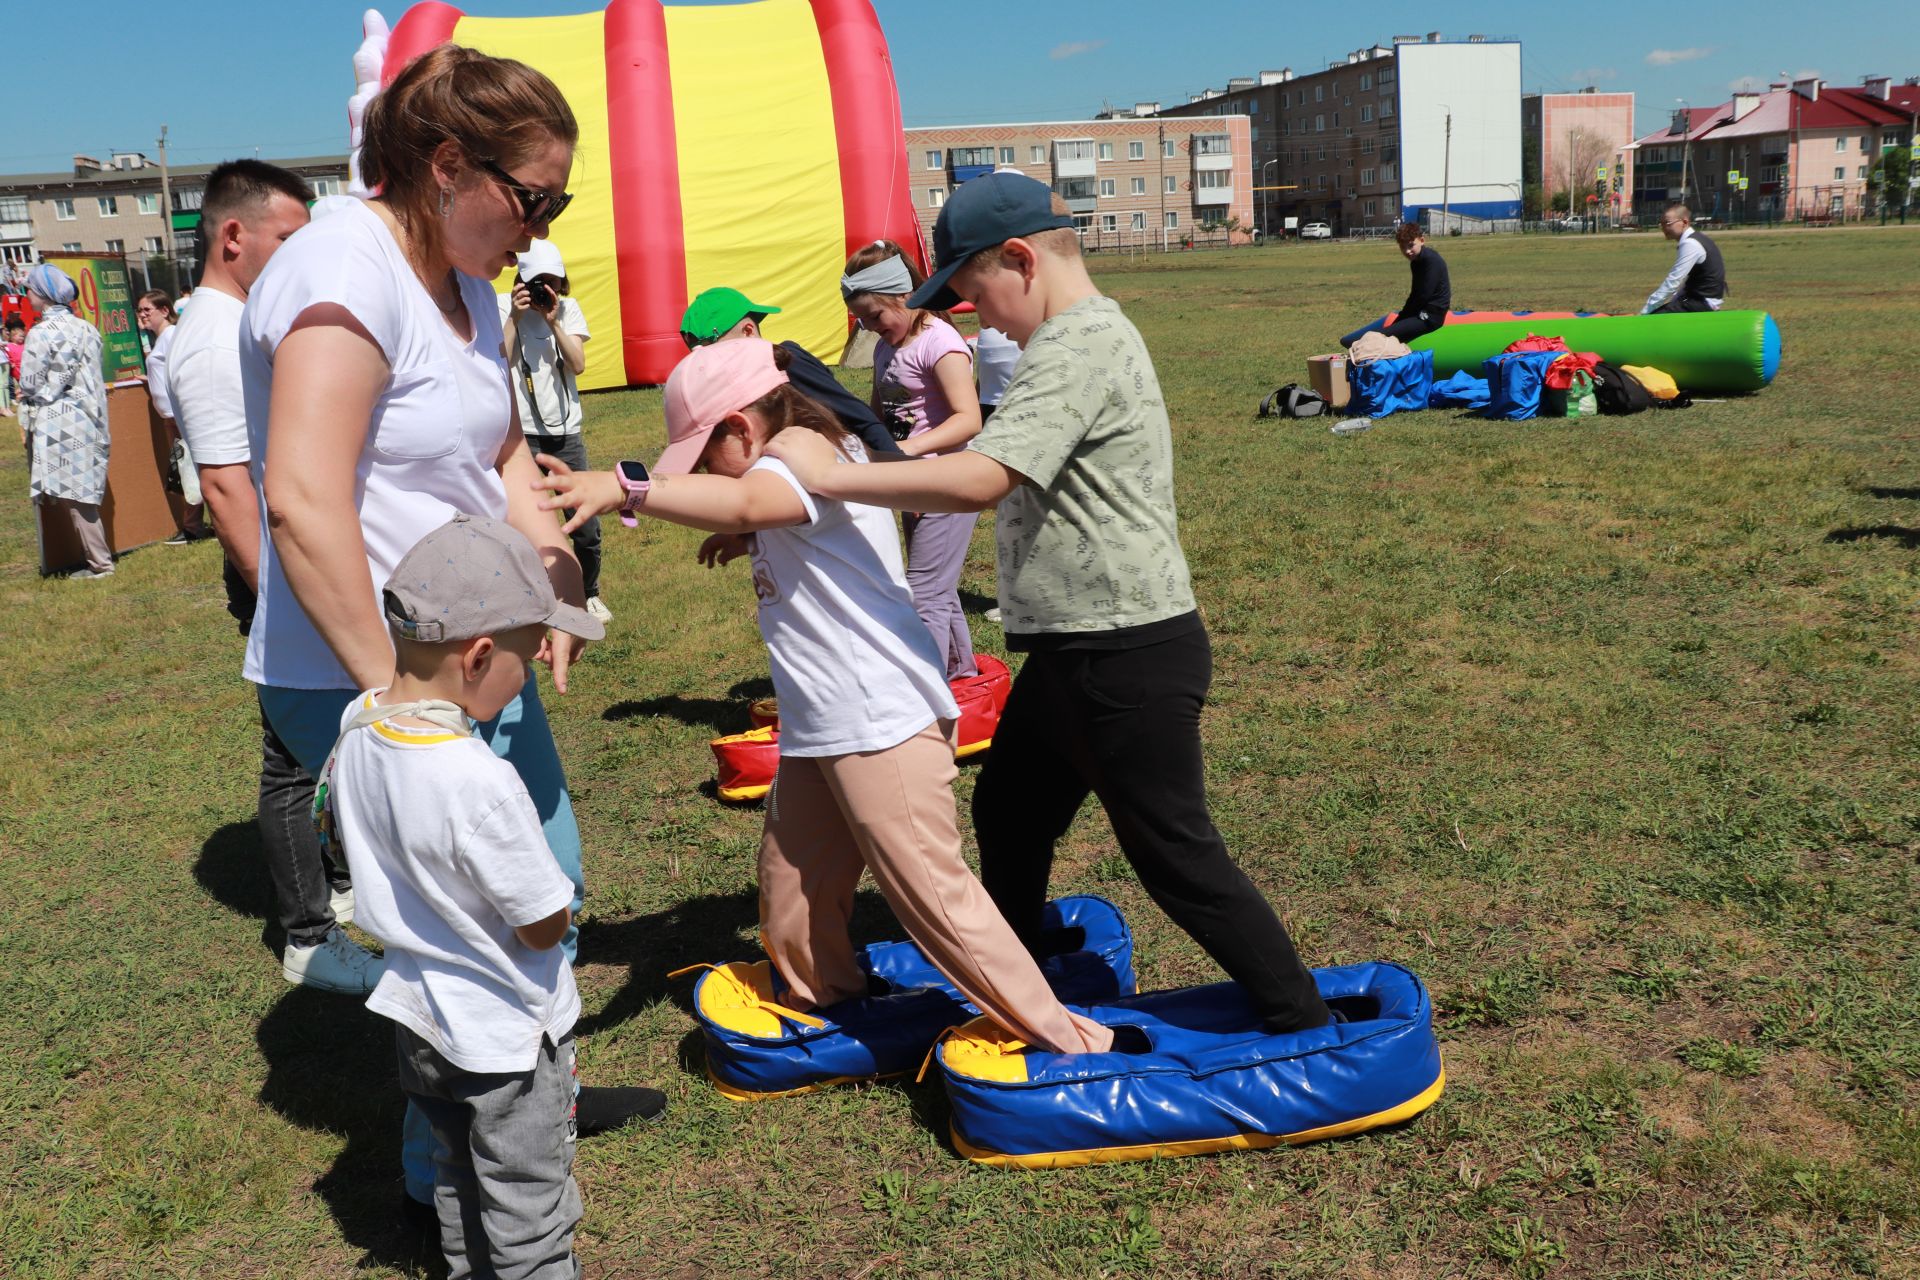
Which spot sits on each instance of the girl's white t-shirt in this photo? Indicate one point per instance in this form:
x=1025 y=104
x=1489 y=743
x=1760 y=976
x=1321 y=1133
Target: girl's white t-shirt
x=853 y=666
x=433 y=445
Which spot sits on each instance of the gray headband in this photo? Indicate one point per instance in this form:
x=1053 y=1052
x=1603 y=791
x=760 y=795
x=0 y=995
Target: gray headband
x=888 y=276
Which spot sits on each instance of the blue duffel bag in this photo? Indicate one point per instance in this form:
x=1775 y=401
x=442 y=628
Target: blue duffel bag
x=1381 y=387
x=759 y=1048
x=1514 y=382
x=1197 y=1075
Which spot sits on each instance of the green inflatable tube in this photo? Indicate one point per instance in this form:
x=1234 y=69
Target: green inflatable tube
x=1713 y=351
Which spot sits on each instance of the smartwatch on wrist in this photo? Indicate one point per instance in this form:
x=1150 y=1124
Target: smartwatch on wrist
x=635 y=483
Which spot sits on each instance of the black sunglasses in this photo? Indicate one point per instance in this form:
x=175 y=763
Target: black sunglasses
x=535 y=206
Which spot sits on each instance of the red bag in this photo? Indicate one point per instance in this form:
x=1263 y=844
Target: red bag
x=981 y=699
x=1534 y=342
x=1560 y=374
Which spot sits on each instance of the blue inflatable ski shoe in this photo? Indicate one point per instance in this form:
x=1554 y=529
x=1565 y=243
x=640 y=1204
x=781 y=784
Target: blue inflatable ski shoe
x=1194 y=1074
x=758 y=1048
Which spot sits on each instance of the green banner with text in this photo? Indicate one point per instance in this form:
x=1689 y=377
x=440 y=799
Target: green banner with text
x=106 y=302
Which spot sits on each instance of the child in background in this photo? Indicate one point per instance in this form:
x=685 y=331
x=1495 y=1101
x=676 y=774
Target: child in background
x=16 y=346
x=923 y=389
x=866 y=718
x=995 y=355
x=1093 y=587
x=451 y=873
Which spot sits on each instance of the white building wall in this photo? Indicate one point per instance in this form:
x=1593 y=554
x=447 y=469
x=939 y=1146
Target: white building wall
x=1479 y=85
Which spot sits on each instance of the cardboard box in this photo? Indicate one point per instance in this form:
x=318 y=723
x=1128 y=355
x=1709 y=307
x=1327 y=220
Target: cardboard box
x=1327 y=375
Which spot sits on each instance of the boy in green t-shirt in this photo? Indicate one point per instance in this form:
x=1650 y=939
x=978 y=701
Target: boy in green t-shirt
x=1093 y=587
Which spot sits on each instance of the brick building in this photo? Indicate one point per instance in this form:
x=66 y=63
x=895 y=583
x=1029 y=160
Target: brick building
x=1570 y=137
x=113 y=207
x=1388 y=132
x=1806 y=149
x=1129 y=182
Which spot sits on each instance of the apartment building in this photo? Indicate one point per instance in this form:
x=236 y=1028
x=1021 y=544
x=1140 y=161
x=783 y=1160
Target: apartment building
x=1384 y=134
x=114 y=206
x=1580 y=142
x=1804 y=149
x=1128 y=181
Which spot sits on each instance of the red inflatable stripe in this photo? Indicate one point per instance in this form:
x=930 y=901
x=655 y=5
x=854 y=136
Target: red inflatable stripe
x=648 y=232
x=874 y=191
x=423 y=27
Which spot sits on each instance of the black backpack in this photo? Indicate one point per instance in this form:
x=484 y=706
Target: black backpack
x=1292 y=401
x=1617 y=391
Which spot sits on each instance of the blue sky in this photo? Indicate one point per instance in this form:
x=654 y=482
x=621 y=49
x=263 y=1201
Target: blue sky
x=229 y=76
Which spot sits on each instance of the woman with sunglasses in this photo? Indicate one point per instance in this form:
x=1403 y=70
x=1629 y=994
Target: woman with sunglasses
x=378 y=406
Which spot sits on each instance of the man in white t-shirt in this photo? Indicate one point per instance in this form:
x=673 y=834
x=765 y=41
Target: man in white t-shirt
x=545 y=335
x=249 y=210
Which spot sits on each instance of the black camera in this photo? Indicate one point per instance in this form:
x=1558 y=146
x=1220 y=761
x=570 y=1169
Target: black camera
x=539 y=294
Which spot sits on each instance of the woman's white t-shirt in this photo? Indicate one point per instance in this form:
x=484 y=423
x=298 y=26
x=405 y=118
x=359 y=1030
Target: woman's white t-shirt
x=853 y=666
x=433 y=445
x=157 y=373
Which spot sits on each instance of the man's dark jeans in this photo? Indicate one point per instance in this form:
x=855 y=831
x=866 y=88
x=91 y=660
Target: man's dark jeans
x=572 y=450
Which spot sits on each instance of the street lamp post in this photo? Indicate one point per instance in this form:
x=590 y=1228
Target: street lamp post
x=1686 y=147
x=1446 y=175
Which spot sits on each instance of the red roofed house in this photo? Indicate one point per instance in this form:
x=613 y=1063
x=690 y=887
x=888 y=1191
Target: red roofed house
x=1805 y=150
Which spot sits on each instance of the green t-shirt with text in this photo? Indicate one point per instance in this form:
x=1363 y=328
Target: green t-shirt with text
x=1090 y=542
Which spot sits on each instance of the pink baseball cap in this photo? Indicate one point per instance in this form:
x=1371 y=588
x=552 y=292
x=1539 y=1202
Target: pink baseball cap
x=712 y=382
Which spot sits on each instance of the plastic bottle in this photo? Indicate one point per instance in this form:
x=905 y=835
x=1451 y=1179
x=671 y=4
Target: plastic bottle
x=1352 y=426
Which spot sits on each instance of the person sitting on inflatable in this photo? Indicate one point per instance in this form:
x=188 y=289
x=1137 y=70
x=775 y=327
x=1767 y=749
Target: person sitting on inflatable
x=1427 y=301
x=867 y=719
x=1698 y=281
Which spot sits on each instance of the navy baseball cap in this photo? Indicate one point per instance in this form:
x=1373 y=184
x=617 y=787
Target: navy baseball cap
x=980 y=215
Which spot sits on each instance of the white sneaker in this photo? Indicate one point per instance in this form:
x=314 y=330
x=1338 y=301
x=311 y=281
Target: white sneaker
x=340 y=902
x=336 y=963
x=597 y=608
x=993 y=614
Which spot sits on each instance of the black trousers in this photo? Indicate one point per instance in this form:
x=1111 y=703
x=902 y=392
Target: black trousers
x=572 y=450
x=1124 y=724
x=1680 y=306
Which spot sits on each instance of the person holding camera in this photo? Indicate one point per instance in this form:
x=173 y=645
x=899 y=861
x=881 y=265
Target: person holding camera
x=546 y=343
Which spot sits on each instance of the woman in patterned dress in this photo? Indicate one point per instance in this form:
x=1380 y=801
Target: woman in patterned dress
x=60 y=379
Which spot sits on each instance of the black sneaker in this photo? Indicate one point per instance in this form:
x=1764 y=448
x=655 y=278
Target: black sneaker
x=179 y=539
x=601 y=1109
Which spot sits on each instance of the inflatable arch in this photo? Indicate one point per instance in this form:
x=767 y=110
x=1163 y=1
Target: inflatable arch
x=753 y=145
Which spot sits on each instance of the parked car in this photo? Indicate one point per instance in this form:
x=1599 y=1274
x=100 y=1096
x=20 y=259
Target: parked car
x=1316 y=231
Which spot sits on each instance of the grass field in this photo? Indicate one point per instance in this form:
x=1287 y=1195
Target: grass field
x=1606 y=729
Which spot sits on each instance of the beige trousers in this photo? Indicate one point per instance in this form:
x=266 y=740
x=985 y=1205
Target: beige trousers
x=84 y=517
x=891 y=812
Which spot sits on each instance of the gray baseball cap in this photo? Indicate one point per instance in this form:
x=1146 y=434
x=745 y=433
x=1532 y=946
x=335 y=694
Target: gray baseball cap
x=477 y=577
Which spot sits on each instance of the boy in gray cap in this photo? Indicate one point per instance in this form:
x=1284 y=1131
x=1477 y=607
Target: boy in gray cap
x=453 y=875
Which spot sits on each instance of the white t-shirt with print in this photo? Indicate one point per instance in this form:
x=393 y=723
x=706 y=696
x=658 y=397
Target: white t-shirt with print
x=203 y=380
x=555 y=410
x=853 y=666
x=448 y=859
x=434 y=442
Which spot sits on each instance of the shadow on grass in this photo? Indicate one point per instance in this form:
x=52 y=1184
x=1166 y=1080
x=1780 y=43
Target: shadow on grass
x=1908 y=538
x=233 y=868
x=1885 y=491
x=331 y=1069
x=975 y=603
x=717 y=715
x=703 y=930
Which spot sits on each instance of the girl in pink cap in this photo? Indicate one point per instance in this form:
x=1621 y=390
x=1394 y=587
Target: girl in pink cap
x=866 y=716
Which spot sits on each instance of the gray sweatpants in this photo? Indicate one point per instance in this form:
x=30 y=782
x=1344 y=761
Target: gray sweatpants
x=502 y=1161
